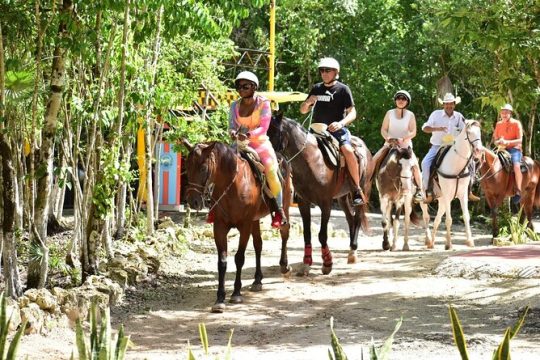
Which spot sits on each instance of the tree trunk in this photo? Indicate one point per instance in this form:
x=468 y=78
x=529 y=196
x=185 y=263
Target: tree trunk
x=38 y=269
x=8 y=251
x=530 y=130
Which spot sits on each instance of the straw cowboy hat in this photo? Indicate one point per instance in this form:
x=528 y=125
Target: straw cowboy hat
x=508 y=107
x=448 y=98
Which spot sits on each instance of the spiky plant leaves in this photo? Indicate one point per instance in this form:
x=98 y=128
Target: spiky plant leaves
x=386 y=348
x=190 y=355
x=105 y=336
x=81 y=343
x=121 y=344
x=339 y=353
x=228 y=352
x=373 y=353
x=4 y=325
x=93 y=329
x=204 y=337
x=13 y=347
x=503 y=351
x=457 y=331
x=330 y=356
x=517 y=326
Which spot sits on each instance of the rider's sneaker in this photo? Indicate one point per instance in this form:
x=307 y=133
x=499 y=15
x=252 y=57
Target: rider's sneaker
x=357 y=198
x=418 y=198
x=517 y=197
x=429 y=197
x=473 y=197
x=278 y=219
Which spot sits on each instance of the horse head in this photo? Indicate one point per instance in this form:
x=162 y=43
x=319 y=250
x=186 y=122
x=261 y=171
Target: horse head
x=275 y=132
x=474 y=137
x=200 y=166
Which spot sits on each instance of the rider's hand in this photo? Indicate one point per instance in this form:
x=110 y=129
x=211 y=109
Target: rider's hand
x=311 y=100
x=442 y=128
x=233 y=134
x=335 y=126
x=241 y=137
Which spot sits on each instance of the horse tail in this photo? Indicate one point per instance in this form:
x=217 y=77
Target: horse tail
x=364 y=223
x=415 y=219
x=537 y=192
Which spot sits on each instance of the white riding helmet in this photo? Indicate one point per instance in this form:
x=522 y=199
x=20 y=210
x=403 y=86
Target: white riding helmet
x=404 y=93
x=329 y=62
x=247 y=75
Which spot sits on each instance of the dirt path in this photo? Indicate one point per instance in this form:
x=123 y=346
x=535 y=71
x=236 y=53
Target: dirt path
x=290 y=317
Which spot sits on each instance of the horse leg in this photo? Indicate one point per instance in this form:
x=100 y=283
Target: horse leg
x=284 y=261
x=425 y=217
x=257 y=244
x=326 y=254
x=220 y=236
x=407 y=221
x=494 y=223
x=305 y=213
x=448 y=218
x=239 y=259
x=386 y=207
x=467 y=220
x=395 y=227
x=353 y=220
x=440 y=211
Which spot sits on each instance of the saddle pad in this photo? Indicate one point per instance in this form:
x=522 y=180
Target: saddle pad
x=506 y=160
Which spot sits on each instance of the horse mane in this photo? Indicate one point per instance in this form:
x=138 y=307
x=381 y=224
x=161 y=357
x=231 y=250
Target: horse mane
x=225 y=154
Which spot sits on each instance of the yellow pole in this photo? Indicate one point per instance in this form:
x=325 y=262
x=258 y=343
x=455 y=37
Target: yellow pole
x=271 y=57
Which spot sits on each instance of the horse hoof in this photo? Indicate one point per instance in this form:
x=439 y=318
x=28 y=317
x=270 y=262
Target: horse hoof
x=429 y=245
x=286 y=272
x=218 y=308
x=393 y=248
x=405 y=248
x=448 y=247
x=326 y=269
x=352 y=258
x=256 y=287
x=385 y=245
x=469 y=243
x=237 y=299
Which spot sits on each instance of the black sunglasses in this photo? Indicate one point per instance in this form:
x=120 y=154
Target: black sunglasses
x=325 y=70
x=244 y=87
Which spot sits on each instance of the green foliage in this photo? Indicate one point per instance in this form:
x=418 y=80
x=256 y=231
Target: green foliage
x=204 y=342
x=382 y=353
x=100 y=346
x=10 y=347
x=514 y=230
x=503 y=350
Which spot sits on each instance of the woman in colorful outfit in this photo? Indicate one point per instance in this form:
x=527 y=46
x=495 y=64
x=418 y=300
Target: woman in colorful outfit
x=249 y=119
x=508 y=134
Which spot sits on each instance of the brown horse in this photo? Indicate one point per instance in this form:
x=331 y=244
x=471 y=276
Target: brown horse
x=318 y=182
x=497 y=184
x=238 y=202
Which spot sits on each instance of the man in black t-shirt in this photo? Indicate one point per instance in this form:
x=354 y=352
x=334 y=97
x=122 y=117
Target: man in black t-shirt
x=334 y=106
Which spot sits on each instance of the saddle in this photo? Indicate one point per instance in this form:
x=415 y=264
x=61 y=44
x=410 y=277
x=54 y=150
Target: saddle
x=328 y=144
x=506 y=160
x=250 y=155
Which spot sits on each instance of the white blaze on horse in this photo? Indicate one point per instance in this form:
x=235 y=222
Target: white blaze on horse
x=396 y=188
x=453 y=179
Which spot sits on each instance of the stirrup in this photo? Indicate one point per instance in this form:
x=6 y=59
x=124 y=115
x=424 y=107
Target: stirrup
x=357 y=198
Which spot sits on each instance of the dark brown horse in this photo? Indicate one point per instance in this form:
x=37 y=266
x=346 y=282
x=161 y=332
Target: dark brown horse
x=238 y=202
x=497 y=184
x=318 y=182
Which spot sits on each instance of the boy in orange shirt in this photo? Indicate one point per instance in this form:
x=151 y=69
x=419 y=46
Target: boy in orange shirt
x=508 y=134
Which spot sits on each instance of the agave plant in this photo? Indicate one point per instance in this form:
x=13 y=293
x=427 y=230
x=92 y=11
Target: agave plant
x=204 y=342
x=502 y=352
x=382 y=353
x=101 y=344
x=4 y=329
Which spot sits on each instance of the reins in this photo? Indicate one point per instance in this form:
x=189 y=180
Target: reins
x=310 y=118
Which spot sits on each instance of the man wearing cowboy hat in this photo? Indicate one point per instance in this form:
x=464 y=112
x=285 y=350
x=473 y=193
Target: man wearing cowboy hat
x=508 y=134
x=441 y=123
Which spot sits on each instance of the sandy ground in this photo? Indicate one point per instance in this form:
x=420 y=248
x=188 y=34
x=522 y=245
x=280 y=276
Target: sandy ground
x=290 y=317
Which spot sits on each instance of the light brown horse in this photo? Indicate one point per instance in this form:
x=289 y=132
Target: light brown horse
x=318 y=182
x=497 y=184
x=238 y=202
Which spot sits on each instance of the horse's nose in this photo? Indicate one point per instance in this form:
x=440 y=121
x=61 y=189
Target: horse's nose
x=195 y=202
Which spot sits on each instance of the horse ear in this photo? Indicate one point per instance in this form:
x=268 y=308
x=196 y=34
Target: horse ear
x=278 y=115
x=187 y=144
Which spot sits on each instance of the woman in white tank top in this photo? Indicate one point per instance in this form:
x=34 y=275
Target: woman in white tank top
x=400 y=124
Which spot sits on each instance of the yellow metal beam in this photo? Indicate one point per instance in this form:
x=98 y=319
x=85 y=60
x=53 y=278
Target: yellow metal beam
x=272 y=56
